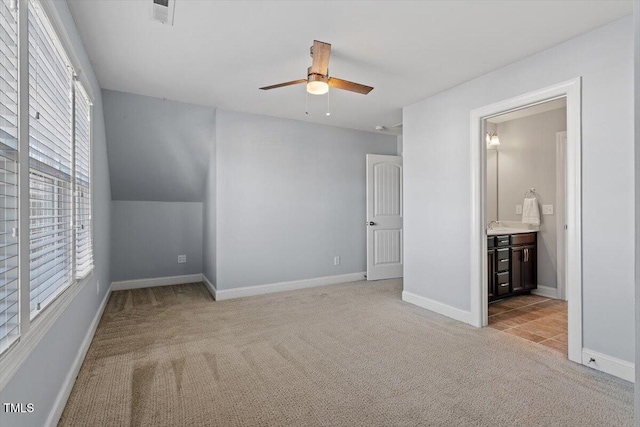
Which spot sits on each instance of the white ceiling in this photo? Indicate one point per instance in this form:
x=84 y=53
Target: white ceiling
x=530 y=111
x=219 y=52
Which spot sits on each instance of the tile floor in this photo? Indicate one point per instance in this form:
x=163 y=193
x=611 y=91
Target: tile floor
x=534 y=318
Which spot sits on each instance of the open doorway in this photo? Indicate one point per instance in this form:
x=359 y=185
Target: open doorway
x=525 y=208
x=525 y=256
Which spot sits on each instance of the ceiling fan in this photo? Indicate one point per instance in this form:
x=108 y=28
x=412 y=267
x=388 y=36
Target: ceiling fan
x=318 y=80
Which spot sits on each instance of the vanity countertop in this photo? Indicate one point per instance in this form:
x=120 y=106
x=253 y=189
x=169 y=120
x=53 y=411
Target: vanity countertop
x=508 y=230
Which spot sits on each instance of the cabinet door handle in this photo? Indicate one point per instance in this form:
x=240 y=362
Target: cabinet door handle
x=504 y=260
x=504 y=284
x=526 y=255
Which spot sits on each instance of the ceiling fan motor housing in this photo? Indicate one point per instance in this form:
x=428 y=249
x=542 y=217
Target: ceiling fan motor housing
x=316 y=77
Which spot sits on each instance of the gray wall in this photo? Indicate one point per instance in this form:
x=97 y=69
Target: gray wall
x=290 y=197
x=157 y=148
x=42 y=374
x=527 y=158
x=159 y=160
x=209 y=207
x=147 y=237
x=437 y=180
x=636 y=27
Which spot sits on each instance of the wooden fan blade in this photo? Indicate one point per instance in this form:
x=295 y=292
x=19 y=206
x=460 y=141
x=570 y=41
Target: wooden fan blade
x=293 y=82
x=350 y=86
x=321 y=53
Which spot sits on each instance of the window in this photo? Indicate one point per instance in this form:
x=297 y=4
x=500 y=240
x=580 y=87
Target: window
x=50 y=163
x=57 y=158
x=9 y=301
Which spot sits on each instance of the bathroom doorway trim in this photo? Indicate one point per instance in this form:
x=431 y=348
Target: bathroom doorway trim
x=479 y=293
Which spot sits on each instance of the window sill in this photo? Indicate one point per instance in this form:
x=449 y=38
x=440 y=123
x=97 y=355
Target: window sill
x=18 y=352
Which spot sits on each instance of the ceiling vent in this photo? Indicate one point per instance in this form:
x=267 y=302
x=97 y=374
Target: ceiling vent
x=162 y=11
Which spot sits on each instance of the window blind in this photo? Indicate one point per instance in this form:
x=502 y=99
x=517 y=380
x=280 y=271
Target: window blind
x=50 y=163
x=9 y=301
x=84 y=244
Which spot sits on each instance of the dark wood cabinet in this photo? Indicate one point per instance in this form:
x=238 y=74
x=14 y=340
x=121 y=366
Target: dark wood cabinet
x=512 y=264
x=530 y=268
x=517 y=282
x=491 y=265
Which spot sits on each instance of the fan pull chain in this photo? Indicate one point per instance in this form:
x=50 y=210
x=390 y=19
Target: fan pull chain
x=306 y=100
x=328 y=109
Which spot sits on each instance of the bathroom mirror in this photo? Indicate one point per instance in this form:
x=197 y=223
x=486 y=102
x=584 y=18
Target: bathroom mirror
x=492 y=176
x=492 y=184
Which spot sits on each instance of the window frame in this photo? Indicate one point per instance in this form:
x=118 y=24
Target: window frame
x=32 y=330
x=89 y=273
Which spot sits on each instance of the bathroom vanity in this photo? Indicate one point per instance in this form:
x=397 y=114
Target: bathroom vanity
x=512 y=264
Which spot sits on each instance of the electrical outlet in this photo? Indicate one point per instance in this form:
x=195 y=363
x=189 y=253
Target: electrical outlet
x=98 y=287
x=518 y=209
x=547 y=209
x=182 y=259
x=336 y=260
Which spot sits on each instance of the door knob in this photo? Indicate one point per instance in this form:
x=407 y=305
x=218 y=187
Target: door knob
x=371 y=223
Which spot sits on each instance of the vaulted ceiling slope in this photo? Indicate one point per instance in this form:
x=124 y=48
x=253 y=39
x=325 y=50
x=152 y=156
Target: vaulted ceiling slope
x=218 y=53
x=158 y=150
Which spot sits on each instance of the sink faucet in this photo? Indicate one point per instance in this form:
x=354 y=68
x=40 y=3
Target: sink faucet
x=491 y=224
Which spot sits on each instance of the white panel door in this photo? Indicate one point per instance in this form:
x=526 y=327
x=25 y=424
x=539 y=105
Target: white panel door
x=384 y=217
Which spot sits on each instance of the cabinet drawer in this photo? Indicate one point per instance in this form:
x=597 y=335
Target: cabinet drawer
x=502 y=264
x=521 y=239
x=502 y=241
x=502 y=283
x=491 y=242
x=502 y=259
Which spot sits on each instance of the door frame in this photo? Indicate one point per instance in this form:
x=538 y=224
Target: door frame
x=561 y=189
x=571 y=90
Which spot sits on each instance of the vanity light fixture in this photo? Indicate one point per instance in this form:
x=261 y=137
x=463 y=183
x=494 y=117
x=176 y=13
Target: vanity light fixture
x=492 y=139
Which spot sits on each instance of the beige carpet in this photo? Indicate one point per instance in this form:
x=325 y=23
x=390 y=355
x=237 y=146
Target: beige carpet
x=342 y=355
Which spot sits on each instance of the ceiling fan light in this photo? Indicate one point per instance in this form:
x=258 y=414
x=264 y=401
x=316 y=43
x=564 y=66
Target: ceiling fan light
x=317 y=87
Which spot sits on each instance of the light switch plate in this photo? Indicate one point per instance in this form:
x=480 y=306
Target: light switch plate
x=182 y=259
x=519 y=209
x=547 y=209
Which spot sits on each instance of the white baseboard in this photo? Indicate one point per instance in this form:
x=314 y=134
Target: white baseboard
x=156 y=281
x=609 y=364
x=247 y=291
x=210 y=286
x=70 y=379
x=438 y=307
x=546 y=291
